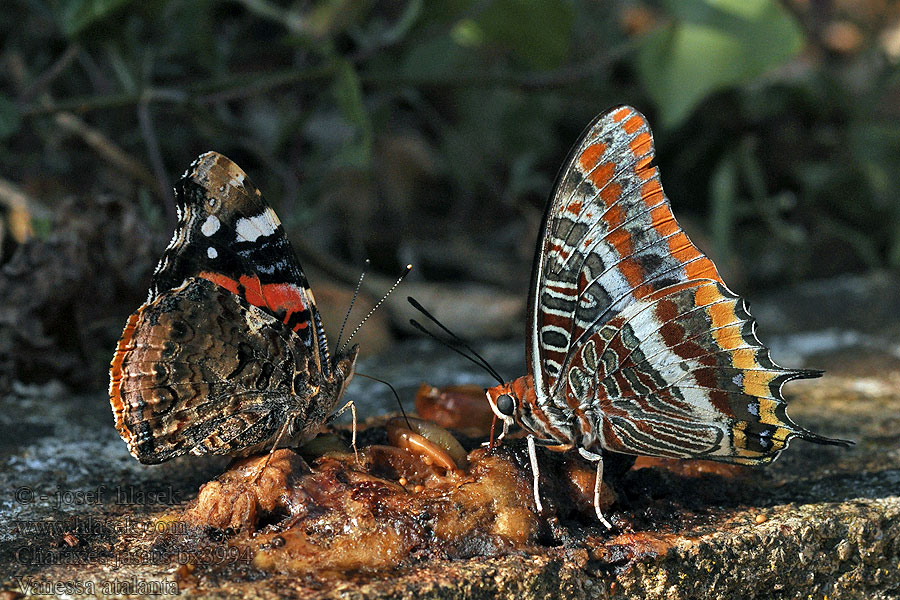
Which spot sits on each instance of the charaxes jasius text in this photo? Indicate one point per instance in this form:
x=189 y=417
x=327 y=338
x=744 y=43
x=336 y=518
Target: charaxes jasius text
x=228 y=355
x=634 y=343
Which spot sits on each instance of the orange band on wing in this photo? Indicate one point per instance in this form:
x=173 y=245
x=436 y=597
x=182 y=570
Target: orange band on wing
x=115 y=380
x=591 y=156
x=633 y=124
x=621 y=114
x=277 y=297
x=641 y=144
x=611 y=194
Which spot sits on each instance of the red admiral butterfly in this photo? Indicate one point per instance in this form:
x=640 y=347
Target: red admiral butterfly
x=228 y=354
x=635 y=344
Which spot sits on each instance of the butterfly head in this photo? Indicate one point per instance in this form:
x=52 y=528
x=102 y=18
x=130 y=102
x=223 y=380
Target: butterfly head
x=344 y=366
x=504 y=403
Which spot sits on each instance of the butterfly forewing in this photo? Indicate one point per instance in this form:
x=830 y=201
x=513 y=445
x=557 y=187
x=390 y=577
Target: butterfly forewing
x=228 y=234
x=609 y=239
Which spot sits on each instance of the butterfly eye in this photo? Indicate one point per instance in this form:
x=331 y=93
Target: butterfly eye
x=506 y=405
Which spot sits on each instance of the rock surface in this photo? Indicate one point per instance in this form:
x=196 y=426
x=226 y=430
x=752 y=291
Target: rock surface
x=820 y=522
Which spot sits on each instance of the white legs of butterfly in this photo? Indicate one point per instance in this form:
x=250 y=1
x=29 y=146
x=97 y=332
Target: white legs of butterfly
x=597 y=483
x=532 y=454
x=598 y=480
x=597 y=458
x=341 y=411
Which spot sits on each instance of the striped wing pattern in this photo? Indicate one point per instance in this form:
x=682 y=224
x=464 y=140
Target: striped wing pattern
x=637 y=346
x=200 y=370
x=681 y=373
x=610 y=238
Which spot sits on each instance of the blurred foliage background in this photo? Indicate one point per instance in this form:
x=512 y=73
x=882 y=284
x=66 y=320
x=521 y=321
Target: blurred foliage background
x=427 y=132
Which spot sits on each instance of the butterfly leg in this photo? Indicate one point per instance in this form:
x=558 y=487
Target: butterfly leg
x=265 y=464
x=532 y=454
x=597 y=482
x=341 y=411
x=596 y=458
x=490 y=443
x=353 y=434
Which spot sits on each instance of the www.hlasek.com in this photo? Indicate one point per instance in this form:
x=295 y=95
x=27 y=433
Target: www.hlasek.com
x=31 y=586
x=91 y=525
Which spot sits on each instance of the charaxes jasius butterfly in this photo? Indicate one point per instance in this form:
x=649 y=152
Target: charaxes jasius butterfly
x=228 y=355
x=634 y=343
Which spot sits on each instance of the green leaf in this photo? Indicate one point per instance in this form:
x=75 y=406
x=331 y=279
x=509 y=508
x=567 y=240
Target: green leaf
x=712 y=45
x=747 y=9
x=349 y=96
x=75 y=16
x=10 y=117
x=468 y=33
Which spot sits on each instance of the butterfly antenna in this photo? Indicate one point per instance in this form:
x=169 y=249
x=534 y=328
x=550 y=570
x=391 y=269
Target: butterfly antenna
x=444 y=342
x=484 y=363
x=362 y=275
x=374 y=308
x=396 y=395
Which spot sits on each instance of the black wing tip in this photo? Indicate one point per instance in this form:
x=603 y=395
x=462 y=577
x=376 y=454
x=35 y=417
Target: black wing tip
x=150 y=457
x=807 y=373
x=809 y=436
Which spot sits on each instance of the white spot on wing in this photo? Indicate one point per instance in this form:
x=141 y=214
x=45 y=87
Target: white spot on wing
x=210 y=225
x=262 y=225
x=211 y=252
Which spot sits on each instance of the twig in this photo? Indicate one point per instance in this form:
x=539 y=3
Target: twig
x=291 y=20
x=216 y=91
x=47 y=77
x=106 y=148
x=525 y=80
x=100 y=102
x=145 y=121
x=230 y=88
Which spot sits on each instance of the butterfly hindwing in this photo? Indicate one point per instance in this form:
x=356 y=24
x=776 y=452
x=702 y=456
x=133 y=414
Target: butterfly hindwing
x=200 y=370
x=228 y=354
x=682 y=374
